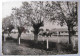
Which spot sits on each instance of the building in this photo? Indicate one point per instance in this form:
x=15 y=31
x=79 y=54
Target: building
x=62 y=31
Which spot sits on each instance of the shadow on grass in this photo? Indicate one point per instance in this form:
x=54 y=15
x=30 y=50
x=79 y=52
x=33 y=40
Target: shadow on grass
x=31 y=44
x=68 y=48
x=53 y=46
x=39 y=45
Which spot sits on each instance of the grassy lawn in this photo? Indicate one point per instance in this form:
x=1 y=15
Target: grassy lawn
x=28 y=47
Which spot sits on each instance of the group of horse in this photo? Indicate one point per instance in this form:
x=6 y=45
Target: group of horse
x=46 y=33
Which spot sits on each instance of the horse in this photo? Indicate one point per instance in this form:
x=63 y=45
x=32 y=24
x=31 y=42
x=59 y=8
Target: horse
x=46 y=33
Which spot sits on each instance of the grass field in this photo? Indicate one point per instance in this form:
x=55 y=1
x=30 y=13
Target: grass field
x=28 y=47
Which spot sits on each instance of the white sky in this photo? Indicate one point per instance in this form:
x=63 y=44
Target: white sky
x=7 y=10
x=7 y=7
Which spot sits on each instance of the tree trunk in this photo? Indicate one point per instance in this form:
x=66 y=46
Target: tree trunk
x=3 y=38
x=70 y=38
x=19 y=38
x=8 y=34
x=47 y=44
x=73 y=43
x=69 y=35
x=36 y=38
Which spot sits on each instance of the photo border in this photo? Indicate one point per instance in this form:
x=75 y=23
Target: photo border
x=40 y=0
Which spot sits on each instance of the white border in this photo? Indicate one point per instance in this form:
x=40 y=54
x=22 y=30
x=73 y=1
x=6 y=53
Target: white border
x=40 y=0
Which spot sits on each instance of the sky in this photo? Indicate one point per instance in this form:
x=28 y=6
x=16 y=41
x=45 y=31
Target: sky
x=7 y=7
x=7 y=10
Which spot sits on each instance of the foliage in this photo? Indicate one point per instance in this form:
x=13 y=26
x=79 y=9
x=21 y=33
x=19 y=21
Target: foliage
x=6 y=22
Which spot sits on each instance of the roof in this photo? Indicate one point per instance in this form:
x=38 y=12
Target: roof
x=63 y=29
x=60 y=29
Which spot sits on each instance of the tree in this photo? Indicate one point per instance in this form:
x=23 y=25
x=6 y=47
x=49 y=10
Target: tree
x=71 y=20
x=37 y=17
x=19 y=23
x=31 y=14
x=67 y=14
x=35 y=12
x=7 y=25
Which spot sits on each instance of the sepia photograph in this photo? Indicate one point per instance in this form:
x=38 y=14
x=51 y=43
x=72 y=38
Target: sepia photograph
x=39 y=27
